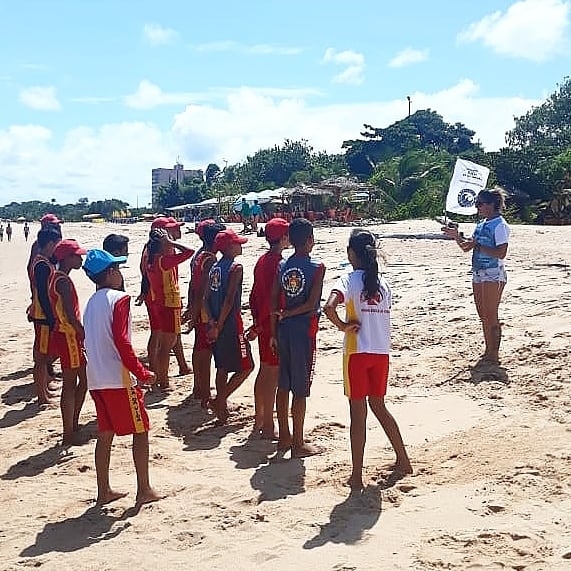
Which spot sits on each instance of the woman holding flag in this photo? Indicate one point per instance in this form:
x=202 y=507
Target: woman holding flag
x=489 y=246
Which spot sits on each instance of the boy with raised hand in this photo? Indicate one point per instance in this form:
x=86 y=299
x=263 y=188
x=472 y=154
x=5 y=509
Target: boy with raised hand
x=265 y=272
x=294 y=324
x=223 y=301
x=68 y=335
x=111 y=361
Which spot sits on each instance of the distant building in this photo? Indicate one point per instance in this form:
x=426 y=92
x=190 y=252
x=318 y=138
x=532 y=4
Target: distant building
x=162 y=177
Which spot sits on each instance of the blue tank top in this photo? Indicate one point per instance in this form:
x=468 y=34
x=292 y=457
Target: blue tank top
x=296 y=278
x=218 y=286
x=485 y=235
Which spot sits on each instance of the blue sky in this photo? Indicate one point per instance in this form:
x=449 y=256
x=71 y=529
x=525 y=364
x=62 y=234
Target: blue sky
x=95 y=93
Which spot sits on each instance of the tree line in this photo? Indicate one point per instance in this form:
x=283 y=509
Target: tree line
x=408 y=166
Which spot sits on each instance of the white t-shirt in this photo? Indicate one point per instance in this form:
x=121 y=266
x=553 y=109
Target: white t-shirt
x=374 y=315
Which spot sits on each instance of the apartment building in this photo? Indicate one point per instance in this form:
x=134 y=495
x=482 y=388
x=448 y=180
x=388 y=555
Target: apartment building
x=162 y=177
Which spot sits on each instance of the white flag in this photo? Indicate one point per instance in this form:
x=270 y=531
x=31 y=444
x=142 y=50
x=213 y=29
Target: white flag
x=467 y=181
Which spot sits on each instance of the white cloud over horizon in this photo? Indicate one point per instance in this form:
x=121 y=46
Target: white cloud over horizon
x=529 y=29
x=354 y=63
x=40 y=98
x=408 y=56
x=115 y=160
x=157 y=35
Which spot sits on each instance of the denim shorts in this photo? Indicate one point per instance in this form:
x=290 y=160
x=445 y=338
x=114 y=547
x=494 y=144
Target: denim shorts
x=495 y=275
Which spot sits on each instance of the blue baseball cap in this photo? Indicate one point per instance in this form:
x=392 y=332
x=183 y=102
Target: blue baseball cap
x=98 y=261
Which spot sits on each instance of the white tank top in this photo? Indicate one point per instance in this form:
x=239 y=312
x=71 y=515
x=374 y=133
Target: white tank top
x=105 y=370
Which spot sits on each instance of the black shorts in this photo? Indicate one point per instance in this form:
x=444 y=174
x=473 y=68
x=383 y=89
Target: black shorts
x=232 y=351
x=296 y=358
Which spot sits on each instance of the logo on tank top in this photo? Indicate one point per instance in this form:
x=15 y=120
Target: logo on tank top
x=293 y=282
x=215 y=279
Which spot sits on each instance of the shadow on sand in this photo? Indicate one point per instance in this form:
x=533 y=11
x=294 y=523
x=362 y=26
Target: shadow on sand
x=76 y=533
x=198 y=426
x=349 y=520
x=278 y=480
x=17 y=375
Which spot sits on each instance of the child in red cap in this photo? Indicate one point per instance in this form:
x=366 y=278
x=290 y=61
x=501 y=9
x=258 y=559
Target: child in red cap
x=68 y=335
x=265 y=273
x=223 y=300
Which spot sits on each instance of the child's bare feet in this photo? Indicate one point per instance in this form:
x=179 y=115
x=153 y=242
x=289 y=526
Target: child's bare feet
x=355 y=482
x=109 y=496
x=148 y=496
x=403 y=466
x=305 y=450
x=284 y=444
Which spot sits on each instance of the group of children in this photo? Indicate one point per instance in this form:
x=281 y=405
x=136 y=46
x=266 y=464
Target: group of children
x=285 y=306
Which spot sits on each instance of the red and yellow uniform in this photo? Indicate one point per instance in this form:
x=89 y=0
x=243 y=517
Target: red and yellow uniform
x=163 y=278
x=204 y=259
x=40 y=312
x=68 y=345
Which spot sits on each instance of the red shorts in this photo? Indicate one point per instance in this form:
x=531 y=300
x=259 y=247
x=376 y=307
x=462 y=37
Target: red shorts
x=153 y=315
x=267 y=356
x=44 y=340
x=69 y=349
x=366 y=375
x=168 y=319
x=201 y=341
x=121 y=411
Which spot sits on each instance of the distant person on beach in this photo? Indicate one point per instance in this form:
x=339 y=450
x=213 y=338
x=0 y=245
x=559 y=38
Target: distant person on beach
x=40 y=312
x=9 y=232
x=111 y=360
x=245 y=214
x=256 y=214
x=295 y=316
x=26 y=231
x=162 y=272
x=489 y=246
x=69 y=335
x=1 y=232
x=223 y=301
x=196 y=314
x=367 y=299
x=265 y=273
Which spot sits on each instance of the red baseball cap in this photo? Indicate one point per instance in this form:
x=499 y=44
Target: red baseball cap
x=49 y=219
x=202 y=225
x=67 y=248
x=276 y=228
x=173 y=222
x=226 y=238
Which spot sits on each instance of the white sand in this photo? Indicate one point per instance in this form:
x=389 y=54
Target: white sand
x=491 y=449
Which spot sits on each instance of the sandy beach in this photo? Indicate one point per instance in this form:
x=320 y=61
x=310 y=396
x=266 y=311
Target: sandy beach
x=491 y=447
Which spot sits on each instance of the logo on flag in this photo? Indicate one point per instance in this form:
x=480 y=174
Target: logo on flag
x=467 y=181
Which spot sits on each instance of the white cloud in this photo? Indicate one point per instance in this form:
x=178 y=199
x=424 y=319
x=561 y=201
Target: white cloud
x=254 y=49
x=157 y=35
x=529 y=29
x=149 y=95
x=115 y=160
x=354 y=63
x=40 y=98
x=408 y=56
